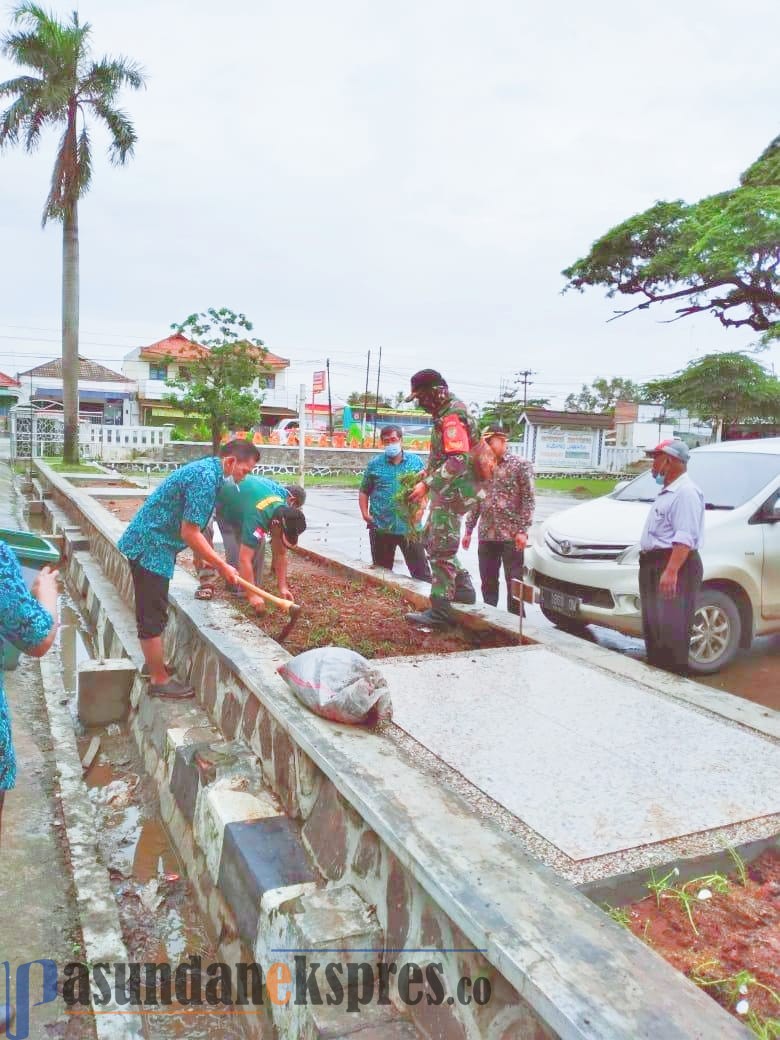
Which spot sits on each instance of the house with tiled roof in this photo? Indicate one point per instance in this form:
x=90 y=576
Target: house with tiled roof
x=154 y=366
x=11 y=392
x=105 y=396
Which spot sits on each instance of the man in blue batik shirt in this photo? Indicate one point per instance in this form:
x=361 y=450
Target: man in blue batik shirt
x=172 y=518
x=387 y=530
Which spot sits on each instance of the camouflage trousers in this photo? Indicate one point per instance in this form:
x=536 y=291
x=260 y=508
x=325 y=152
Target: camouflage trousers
x=442 y=534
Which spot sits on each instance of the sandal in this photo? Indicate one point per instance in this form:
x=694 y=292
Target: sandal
x=174 y=689
x=204 y=592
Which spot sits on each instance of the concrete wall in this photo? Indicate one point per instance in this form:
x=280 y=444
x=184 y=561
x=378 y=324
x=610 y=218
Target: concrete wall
x=398 y=861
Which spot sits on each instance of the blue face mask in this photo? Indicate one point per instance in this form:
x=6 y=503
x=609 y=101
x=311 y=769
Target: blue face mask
x=659 y=479
x=393 y=450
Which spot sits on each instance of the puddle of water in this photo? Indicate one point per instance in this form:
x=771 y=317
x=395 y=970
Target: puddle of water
x=157 y=906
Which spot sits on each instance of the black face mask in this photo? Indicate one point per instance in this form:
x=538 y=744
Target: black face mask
x=432 y=399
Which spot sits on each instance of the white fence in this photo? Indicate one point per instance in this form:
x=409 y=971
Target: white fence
x=121 y=443
x=34 y=435
x=615 y=460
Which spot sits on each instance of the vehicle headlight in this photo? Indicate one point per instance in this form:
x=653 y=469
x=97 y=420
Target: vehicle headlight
x=629 y=556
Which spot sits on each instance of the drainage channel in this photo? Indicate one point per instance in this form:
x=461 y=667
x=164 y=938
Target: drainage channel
x=157 y=908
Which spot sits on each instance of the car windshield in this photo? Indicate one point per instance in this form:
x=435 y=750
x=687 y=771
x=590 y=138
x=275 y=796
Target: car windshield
x=727 y=480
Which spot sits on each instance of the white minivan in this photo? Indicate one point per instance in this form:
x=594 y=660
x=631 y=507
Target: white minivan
x=584 y=561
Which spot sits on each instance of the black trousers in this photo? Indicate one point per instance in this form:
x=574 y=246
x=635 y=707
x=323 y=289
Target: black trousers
x=492 y=555
x=384 y=544
x=666 y=623
x=151 y=601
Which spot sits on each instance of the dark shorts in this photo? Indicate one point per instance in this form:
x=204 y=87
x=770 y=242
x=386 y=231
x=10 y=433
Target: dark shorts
x=151 y=601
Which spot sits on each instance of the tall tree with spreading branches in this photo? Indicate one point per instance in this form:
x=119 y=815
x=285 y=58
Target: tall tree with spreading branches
x=221 y=385
x=603 y=394
x=66 y=90
x=722 y=389
x=719 y=255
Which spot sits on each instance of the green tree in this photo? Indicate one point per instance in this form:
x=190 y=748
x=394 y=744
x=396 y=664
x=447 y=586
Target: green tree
x=67 y=90
x=722 y=389
x=602 y=395
x=508 y=410
x=357 y=397
x=720 y=254
x=219 y=386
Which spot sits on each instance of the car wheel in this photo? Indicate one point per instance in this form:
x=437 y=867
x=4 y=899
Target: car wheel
x=716 y=632
x=566 y=624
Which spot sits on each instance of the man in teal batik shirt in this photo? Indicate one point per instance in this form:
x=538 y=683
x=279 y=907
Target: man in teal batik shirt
x=172 y=518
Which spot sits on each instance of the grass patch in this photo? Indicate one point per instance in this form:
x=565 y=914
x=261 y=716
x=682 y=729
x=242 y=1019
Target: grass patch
x=57 y=465
x=61 y=467
x=345 y=480
x=591 y=487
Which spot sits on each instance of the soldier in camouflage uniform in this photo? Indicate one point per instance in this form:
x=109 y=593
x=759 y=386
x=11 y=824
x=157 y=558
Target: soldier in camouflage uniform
x=453 y=487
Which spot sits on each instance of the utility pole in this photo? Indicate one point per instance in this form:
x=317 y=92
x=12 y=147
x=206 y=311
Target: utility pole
x=330 y=406
x=365 y=396
x=376 y=409
x=302 y=432
x=526 y=381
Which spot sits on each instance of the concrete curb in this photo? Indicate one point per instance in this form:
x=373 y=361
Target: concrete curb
x=98 y=913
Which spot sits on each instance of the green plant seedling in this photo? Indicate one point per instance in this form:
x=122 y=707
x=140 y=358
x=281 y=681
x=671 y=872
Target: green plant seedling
x=739 y=863
x=763 y=1028
x=618 y=914
x=714 y=882
x=732 y=986
x=660 y=886
x=687 y=901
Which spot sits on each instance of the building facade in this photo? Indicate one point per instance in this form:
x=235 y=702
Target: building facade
x=565 y=440
x=172 y=358
x=105 y=396
x=11 y=394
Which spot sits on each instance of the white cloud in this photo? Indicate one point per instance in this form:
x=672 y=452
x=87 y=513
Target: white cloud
x=414 y=175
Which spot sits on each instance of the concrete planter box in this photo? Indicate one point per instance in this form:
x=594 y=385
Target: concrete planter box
x=352 y=818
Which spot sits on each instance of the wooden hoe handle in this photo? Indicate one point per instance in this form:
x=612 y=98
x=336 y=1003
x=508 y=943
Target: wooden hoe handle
x=285 y=604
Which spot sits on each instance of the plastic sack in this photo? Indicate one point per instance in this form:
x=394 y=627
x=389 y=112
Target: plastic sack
x=339 y=685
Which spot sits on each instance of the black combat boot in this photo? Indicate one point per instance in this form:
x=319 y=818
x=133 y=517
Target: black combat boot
x=438 y=615
x=464 y=590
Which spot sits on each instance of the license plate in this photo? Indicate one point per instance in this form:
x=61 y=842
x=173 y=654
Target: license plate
x=561 y=602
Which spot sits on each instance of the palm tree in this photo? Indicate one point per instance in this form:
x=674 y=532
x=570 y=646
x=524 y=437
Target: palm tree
x=67 y=89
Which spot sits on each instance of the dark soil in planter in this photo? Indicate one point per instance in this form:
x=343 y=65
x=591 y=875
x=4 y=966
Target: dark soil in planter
x=738 y=931
x=342 y=611
x=339 y=611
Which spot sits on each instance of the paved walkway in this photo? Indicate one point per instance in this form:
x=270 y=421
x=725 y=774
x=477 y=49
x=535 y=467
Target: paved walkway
x=38 y=916
x=592 y=762
x=334 y=520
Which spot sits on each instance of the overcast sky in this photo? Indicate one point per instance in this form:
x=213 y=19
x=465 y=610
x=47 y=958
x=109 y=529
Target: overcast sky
x=413 y=174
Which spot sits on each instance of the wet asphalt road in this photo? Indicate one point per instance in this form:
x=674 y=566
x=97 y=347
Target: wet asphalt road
x=334 y=520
